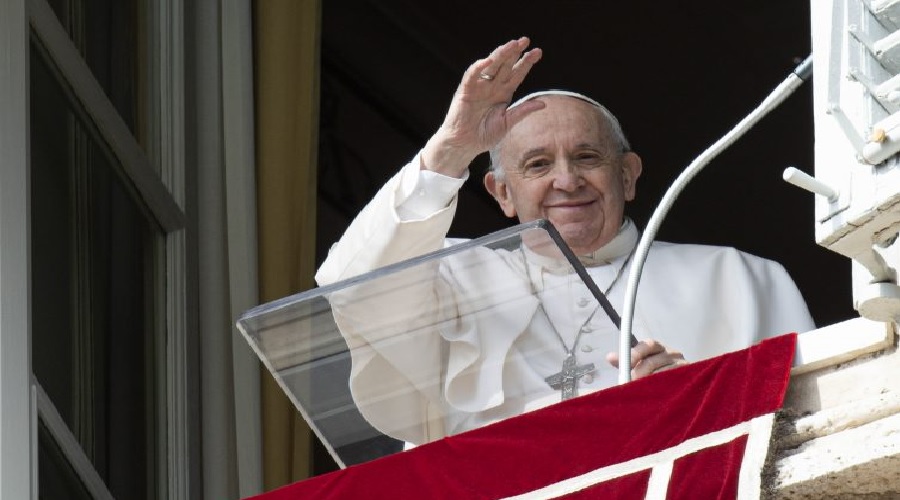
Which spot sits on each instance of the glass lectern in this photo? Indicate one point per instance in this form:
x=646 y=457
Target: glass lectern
x=365 y=360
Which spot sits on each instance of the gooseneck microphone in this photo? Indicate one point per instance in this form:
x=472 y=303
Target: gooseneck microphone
x=798 y=76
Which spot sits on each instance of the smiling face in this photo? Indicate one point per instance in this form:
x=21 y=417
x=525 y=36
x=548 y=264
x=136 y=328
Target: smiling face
x=561 y=163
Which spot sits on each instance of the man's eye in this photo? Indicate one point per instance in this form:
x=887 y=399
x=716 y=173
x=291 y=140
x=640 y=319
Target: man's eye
x=589 y=157
x=536 y=166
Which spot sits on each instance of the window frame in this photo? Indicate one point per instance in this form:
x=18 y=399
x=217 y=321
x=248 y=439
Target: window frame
x=157 y=180
x=18 y=433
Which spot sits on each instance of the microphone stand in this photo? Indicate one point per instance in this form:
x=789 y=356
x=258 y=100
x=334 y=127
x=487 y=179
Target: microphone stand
x=799 y=75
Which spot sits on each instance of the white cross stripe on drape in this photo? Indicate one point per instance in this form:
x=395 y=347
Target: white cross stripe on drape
x=659 y=480
x=757 y=430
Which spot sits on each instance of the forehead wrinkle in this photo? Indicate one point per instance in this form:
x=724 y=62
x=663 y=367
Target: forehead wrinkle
x=599 y=145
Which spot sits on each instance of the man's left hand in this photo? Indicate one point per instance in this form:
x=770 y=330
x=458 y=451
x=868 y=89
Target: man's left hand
x=648 y=357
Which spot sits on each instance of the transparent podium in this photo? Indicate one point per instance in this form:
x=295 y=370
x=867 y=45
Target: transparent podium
x=398 y=355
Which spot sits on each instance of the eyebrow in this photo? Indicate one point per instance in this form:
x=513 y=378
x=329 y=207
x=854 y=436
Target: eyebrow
x=584 y=145
x=532 y=152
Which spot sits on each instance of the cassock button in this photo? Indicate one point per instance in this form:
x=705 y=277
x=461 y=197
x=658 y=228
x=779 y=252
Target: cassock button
x=588 y=378
x=586 y=348
x=587 y=329
x=583 y=302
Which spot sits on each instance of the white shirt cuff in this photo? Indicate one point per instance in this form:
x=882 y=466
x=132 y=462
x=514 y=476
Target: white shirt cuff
x=423 y=193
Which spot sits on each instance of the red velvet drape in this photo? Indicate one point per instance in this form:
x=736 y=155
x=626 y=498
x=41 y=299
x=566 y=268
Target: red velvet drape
x=578 y=436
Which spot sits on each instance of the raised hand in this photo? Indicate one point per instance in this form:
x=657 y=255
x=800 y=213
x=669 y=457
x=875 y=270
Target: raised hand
x=478 y=119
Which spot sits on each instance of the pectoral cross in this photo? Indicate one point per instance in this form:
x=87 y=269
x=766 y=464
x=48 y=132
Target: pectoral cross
x=567 y=379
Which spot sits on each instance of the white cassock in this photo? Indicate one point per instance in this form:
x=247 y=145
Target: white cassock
x=443 y=377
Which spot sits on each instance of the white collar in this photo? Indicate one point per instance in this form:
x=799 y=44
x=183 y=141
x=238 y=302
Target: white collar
x=618 y=247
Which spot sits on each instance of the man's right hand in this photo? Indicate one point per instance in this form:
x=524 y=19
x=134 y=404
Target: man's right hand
x=478 y=119
x=649 y=357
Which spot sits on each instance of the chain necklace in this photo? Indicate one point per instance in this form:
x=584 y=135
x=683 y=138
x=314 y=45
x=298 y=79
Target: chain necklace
x=566 y=380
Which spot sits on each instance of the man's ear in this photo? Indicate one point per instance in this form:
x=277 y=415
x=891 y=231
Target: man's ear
x=499 y=189
x=631 y=170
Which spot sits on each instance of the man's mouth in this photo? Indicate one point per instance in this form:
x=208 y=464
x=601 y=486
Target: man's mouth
x=571 y=204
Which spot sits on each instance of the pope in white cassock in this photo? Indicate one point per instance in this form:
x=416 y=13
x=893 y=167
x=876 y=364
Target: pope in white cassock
x=558 y=156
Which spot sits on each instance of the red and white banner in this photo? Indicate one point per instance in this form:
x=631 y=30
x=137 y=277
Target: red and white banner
x=697 y=432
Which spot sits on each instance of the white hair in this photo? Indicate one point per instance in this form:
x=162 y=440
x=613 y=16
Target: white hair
x=615 y=128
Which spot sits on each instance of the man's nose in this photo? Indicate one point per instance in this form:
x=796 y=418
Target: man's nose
x=567 y=176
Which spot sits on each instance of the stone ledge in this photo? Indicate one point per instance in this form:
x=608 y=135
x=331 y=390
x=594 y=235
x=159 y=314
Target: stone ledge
x=841 y=437
x=841 y=418
x=863 y=460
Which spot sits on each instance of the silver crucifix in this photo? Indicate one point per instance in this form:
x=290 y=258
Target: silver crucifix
x=567 y=379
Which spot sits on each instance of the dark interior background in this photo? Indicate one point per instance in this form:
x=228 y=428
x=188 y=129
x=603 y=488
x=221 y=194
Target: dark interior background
x=679 y=75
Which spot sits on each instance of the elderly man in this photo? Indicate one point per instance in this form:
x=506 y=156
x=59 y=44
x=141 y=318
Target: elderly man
x=558 y=156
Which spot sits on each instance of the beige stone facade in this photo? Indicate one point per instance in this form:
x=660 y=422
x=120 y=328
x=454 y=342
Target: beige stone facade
x=841 y=432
